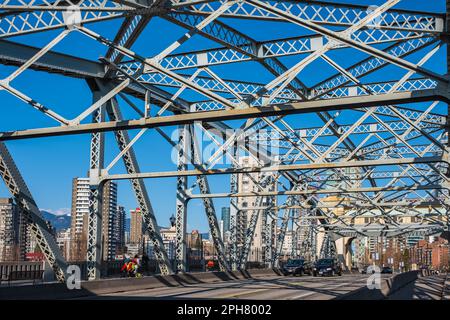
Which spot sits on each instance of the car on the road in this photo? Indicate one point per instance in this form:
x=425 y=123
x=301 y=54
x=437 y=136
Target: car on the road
x=366 y=268
x=297 y=267
x=328 y=266
x=387 y=270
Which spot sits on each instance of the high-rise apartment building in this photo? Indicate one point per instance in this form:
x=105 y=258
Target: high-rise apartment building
x=109 y=220
x=120 y=230
x=253 y=182
x=8 y=229
x=14 y=233
x=79 y=221
x=136 y=228
x=226 y=219
x=80 y=214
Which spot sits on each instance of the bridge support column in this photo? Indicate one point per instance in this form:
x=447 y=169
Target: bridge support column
x=181 y=202
x=140 y=191
x=267 y=238
x=208 y=203
x=233 y=245
x=447 y=28
x=94 y=245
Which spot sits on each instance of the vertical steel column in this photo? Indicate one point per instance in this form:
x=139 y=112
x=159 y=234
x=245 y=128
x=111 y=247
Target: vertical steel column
x=295 y=231
x=268 y=238
x=281 y=235
x=39 y=228
x=313 y=235
x=249 y=235
x=181 y=202
x=208 y=204
x=447 y=28
x=234 y=216
x=140 y=191
x=328 y=248
x=264 y=235
x=94 y=245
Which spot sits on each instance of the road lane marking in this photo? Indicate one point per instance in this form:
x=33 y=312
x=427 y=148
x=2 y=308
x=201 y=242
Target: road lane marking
x=238 y=294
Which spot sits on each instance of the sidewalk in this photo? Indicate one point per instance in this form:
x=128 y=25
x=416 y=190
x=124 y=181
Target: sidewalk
x=446 y=291
x=424 y=288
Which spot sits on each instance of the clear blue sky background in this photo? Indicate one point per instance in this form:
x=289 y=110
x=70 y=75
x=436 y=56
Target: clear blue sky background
x=49 y=164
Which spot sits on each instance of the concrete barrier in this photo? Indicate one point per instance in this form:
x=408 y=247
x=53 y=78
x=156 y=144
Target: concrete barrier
x=388 y=286
x=51 y=291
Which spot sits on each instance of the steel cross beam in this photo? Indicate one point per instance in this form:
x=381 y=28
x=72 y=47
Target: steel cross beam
x=331 y=14
x=234 y=114
x=233 y=39
x=270 y=49
x=57 y=15
x=276 y=168
x=365 y=128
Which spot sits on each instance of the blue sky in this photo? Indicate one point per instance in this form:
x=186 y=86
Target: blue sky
x=49 y=164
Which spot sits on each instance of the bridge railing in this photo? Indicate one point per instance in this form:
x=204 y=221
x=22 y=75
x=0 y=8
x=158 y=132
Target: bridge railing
x=6 y=268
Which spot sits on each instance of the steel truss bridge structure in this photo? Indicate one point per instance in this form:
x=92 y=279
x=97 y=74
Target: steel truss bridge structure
x=372 y=80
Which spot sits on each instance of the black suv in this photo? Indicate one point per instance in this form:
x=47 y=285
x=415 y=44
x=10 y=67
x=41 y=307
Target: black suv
x=297 y=267
x=328 y=266
x=387 y=270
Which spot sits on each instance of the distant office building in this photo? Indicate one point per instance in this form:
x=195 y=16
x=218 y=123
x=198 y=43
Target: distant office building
x=372 y=243
x=80 y=215
x=222 y=233
x=288 y=243
x=134 y=249
x=127 y=237
x=63 y=240
x=14 y=234
x=136 y=226
x=226 y=219
x=169 y=236
x=412 y=240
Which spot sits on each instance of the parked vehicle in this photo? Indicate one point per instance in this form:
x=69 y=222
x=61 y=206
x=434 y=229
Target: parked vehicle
x=327 y=266
x=364 y=270
x=387 y=270
x=298 y=267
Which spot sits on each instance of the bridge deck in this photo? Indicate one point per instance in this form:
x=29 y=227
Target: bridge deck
x=273 y=287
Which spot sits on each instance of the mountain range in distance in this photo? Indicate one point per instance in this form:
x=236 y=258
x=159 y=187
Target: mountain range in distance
x=61 y=222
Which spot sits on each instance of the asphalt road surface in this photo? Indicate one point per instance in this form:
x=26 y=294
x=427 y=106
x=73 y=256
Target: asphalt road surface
x=283 y=288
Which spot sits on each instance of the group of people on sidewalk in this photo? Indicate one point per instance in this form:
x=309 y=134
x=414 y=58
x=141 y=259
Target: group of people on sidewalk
x=134 y=267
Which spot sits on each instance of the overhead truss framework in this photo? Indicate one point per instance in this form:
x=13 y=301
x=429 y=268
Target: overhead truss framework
x=343 y=114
